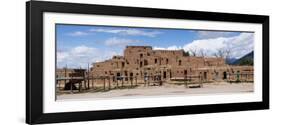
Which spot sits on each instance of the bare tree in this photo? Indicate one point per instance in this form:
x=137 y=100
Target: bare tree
x=223 y=53
x=227 y=53
x=193 y=51
x=220 y=53
x=202 y=53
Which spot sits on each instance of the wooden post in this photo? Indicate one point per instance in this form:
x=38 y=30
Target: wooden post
x=93 y=82
x=80 y=86
x=200 y=80
x=122 y=82
x=109 y=86
x=88 y=77
x=70 y=82
x=185 y=81
x=131 y=79
x=65 y=75
x=84 y=82
x=116 y=82
x=246 y=75
x=136 y=80
x=127 y=80
x=148 y=80
x=145 y=80
x=104 y=84
x=56 y=90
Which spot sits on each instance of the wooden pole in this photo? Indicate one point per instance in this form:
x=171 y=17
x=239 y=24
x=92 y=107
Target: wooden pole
x=58 y=81
x=201 y=81
x=127 y=80
x=148 y=80
x=70 y=82
x=92 y=81
x=88 y=76
x=56 y=90
x=80 y=85
x=122 y=81
x=136 y=80
x=109 y=86
x=65 y=75
x=131 y=79
x=246 y=75
x=84 y=82
x=104 y=84
x=185 y=80
x=117 y=82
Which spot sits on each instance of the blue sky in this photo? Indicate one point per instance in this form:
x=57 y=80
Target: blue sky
x=78 y=45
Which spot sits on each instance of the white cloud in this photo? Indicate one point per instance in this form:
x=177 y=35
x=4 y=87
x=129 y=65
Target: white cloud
x=213 y=34
x=80 y=56
x=119 y=42
x=131 y=32
x=239 y=45
x=78 y=33
x=173 y=47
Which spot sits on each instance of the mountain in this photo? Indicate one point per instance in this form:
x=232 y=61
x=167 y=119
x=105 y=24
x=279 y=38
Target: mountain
x=248 y=59
x=230 y=61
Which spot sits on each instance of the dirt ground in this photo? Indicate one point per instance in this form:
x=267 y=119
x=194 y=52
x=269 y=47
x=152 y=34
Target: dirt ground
x=167 y=89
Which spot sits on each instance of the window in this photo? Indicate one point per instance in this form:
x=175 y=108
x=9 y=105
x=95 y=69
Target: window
x=205 y=75
x=145 y=63
x=123 y=64
x=118 y=76
x=167 y=61
x=155 y=61
x=131 y=76
x=141 y=55
x=141 y=64
x=224 y=75
x=179 y=62
x=126 y=74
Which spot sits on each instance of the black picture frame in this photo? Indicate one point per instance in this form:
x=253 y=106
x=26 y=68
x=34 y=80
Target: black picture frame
x=34 y=61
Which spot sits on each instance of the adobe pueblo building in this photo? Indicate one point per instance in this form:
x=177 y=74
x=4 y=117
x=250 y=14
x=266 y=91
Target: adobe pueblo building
x=142 y=64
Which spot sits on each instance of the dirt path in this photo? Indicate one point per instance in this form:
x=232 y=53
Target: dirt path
x=210 y=88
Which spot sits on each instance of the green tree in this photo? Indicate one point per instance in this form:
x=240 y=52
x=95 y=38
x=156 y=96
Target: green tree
x=186 y=53
x=246 y=62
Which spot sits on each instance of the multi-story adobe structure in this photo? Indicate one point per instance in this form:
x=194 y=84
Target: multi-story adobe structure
x=143 y=63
